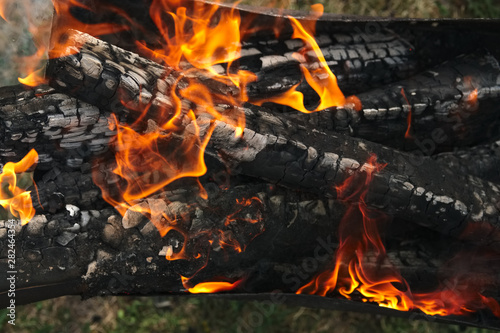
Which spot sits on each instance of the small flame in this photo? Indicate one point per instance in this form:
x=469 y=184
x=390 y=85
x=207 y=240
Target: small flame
x=12 y=197
x=408 y=119
x=35 y=78
x=210 y=287
x=49 y=37
x=4 y=5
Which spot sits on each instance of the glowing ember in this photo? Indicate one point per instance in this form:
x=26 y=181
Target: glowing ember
x=13 y=196
x=472 y=98
x=245 y=213
x=408 y=119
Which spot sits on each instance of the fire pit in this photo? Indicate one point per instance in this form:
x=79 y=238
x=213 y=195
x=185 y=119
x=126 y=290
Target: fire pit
x=341 y=162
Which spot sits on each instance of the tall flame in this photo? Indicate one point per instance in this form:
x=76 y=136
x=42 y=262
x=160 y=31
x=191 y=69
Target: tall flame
x=13 y=197
x=321 y=79
x=138 y=156
x=359 y=235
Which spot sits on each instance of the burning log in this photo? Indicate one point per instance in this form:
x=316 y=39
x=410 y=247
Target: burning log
x=320 y=159
x=457 y=99
x=86 y=248
x=319 y=163
x=445 y=101
x=365 y=60
x=360 y=61
x=161 y=143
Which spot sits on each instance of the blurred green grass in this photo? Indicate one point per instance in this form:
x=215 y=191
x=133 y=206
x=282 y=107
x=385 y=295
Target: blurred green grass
x=192 y=315
x=202 y=315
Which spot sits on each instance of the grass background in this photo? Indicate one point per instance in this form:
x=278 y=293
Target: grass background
x=190 y=314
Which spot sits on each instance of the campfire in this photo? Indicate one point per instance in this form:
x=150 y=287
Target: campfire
x=185 y=147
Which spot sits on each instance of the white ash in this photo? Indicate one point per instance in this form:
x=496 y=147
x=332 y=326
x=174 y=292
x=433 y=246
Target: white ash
x=442 y=199
x=36 y=225
x=461 y=207
x=73 y=210
x=85 y=218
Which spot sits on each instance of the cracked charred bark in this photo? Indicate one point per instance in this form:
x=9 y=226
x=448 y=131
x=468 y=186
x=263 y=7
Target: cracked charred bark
x=281 y=152
x=95 y=252
x=270 y=149
x=299 y=153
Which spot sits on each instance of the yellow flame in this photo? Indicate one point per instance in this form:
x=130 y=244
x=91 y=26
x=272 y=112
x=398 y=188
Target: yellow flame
x=13 y=198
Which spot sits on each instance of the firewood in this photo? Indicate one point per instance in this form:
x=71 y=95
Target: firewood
x=442 y=100
x=367 y=54
x=458 y=99
x=322 y=159
x=66 y=132
x=271 y=149
x=359 y=62
x=287 y=165
x=89 y=250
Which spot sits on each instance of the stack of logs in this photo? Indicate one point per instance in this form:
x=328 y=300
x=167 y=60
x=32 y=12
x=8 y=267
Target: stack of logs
x=440 y=187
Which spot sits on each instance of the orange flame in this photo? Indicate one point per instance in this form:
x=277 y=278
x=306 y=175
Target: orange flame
x=210 y=287
x=138 y=155
x=4 y=5
x=359 y=235
x=321 y=79
x=12 y=197
x=173 y=145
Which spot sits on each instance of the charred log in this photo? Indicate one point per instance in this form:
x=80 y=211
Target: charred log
x=457 y=103
x=425 y=42
x=452 y=103
x=359 y=62
x=99 y=253
x=66 y=132
x=303 y=157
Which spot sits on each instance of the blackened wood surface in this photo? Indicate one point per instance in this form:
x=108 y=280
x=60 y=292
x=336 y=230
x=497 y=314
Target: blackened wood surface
x=482 y=160
x=108 y=254
x=275 y=149
x=70 y=134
